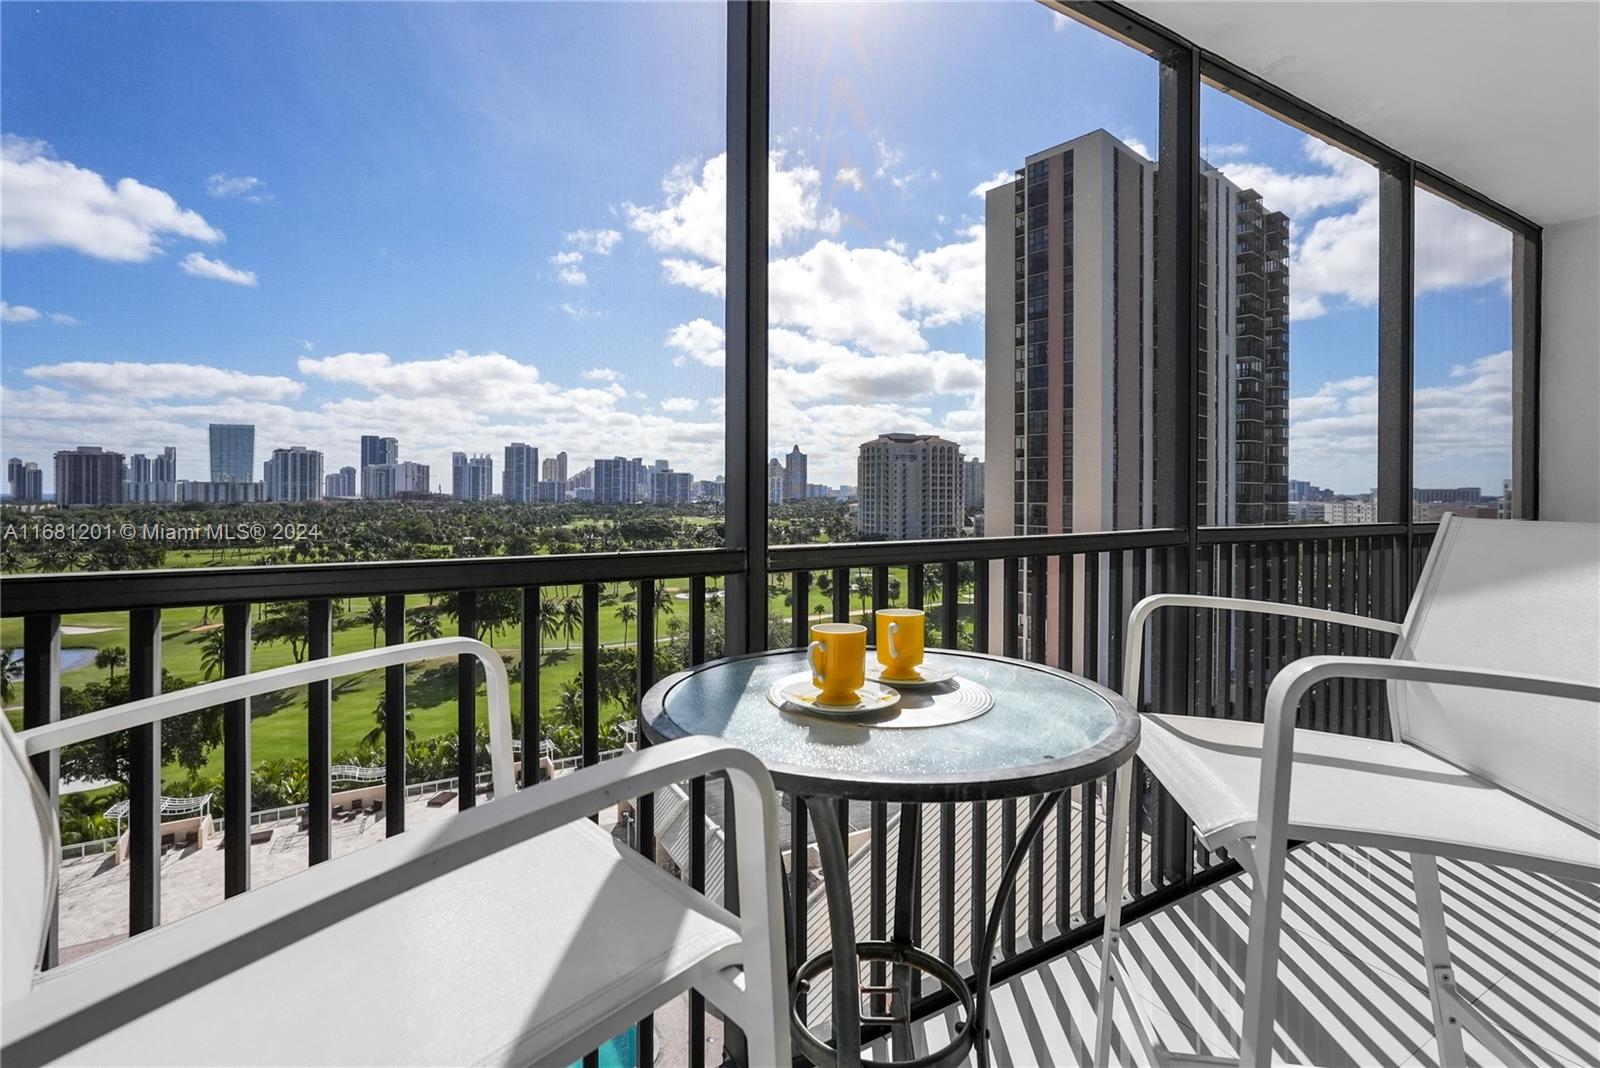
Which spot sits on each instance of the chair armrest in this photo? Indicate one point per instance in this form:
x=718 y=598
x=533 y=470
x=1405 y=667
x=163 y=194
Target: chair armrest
x=161 y=706
x=1291 y=684
x=58 y=1016
x=1147 y=607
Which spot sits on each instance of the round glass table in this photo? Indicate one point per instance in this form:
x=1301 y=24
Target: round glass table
x=1047 y=732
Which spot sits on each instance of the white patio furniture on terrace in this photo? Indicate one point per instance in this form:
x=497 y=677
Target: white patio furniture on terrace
x=491 y=936
x=1494 y=705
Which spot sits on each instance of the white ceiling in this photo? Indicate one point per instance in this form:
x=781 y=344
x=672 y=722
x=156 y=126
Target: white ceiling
x=1503 y=96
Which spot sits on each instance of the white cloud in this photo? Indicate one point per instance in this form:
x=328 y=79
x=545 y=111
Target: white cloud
x=1137 y=145
x=562 y=259
x=1228 y=150
x=599 y=242
x=602 y=374
x=50 y=203
x=700 y=340
x=63 y=319
x=237 y=186
x=17 y=313
x=578 y=312
x=679 y=404
x=203 y=266
x=154 y=380
x=572 y=276
x=850 y=178
x=1003 y=177
x=1462 y=429
x=307 y=344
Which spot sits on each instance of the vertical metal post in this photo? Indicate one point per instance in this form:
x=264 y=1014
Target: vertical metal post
x=697 y=881
x=394 y=719
x=749 y=33
x=697 y=620
x=1177 y=296
x=532 y=733
x=841 y=596
x=236 y=762
x=466 y=704
x=591 y=674
x=950 y=604
x=645 y=804
x=1396 y=335
x=41 y=704
x=319 y=732
x=1526 y=284
x=144 y=774
x=1010 y=593
x=800 y=609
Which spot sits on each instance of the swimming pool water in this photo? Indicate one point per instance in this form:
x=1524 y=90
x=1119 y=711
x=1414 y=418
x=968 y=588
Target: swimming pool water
x=619 y=1052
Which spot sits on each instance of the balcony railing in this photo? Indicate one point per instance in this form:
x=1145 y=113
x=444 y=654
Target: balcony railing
x=1061 y=599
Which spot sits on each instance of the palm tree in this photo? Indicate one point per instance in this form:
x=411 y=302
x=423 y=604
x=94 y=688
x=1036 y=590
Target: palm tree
x=571 y=617
x=569 y=703
x=627 y=612
x=861 y=586
x=425 y=625
x=213 y=653
x=10 y=671
x=380 y=717
x=111 y=658
x=663 y=599
x=373 y=617
x=549 y=617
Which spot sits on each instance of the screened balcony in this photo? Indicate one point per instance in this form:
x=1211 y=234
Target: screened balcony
x=1352 y=991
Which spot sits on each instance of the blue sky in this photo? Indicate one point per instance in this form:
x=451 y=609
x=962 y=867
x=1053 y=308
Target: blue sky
x=470 y=224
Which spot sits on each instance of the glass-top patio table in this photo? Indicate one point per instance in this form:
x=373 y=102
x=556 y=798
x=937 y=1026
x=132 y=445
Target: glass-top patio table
x=1047 y=732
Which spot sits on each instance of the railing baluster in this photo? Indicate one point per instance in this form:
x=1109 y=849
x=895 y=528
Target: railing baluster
x=1204 y=620
x=1091 y=670
x=236 y=763
x=1010 y=596
x=800 y=609
x=532 y=731
x=732 y=1036
x=41 y=704
x=880 y=598
x=914 y=591
x=980 y=879
x=841 y=595
x=466 y=704
x=950 y=604
x=697 y=881
x=394 y=719
x=144 y=774
x=1038 y=607
x=980 y=606
x=878 y=905
x=697 y=620
x=645 y=804
x=591 y=674
x=799 y=888
x=319 y=733
x=1066 y=610
x=947 y=880
x=1064 y=857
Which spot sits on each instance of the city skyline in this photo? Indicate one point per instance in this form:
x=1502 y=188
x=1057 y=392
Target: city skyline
x=595 y=311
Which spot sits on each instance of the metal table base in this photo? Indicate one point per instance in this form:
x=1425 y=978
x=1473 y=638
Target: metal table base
x=903 y=957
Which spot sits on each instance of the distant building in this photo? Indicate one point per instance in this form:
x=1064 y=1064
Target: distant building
x=794 y=475
x=152 y=479
x=164 y=468
x=294 y=474
x=582 y=480
x=24 y=480
x=376 y=452
x=1508 y=504
x=776 y=482
x=550 y=491
x=1466 y=495
x=89 y=475
x=342 y=483
x=233 y=452
x=150 y=492
x=519 y=478
x=911 y=487
x=220 y=492
x=386 y=481
x=972 y=485
x=619 y=480
x=706 y=490
x=671 y=487
x=471 y=477
x=555 y=468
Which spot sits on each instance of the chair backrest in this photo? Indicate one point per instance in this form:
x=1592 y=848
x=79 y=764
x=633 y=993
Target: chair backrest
x=30 y=843
x=1510 y=596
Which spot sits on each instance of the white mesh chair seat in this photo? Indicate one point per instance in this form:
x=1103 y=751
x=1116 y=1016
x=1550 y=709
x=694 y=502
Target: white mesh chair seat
x=512 y=955
x=1356 y=790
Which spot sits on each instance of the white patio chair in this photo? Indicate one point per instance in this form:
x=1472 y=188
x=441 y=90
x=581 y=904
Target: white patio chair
x=1495 y=710
x=515 y=932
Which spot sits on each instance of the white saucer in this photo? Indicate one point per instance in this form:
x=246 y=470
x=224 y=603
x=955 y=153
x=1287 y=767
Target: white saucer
x=927 y=675
x=795 y=693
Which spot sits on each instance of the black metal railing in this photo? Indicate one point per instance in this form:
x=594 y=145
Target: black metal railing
x=1059 y=599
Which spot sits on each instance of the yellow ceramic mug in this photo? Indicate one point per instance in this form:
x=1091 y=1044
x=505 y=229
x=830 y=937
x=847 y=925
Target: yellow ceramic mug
x=900 y=639
x=838 y=658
